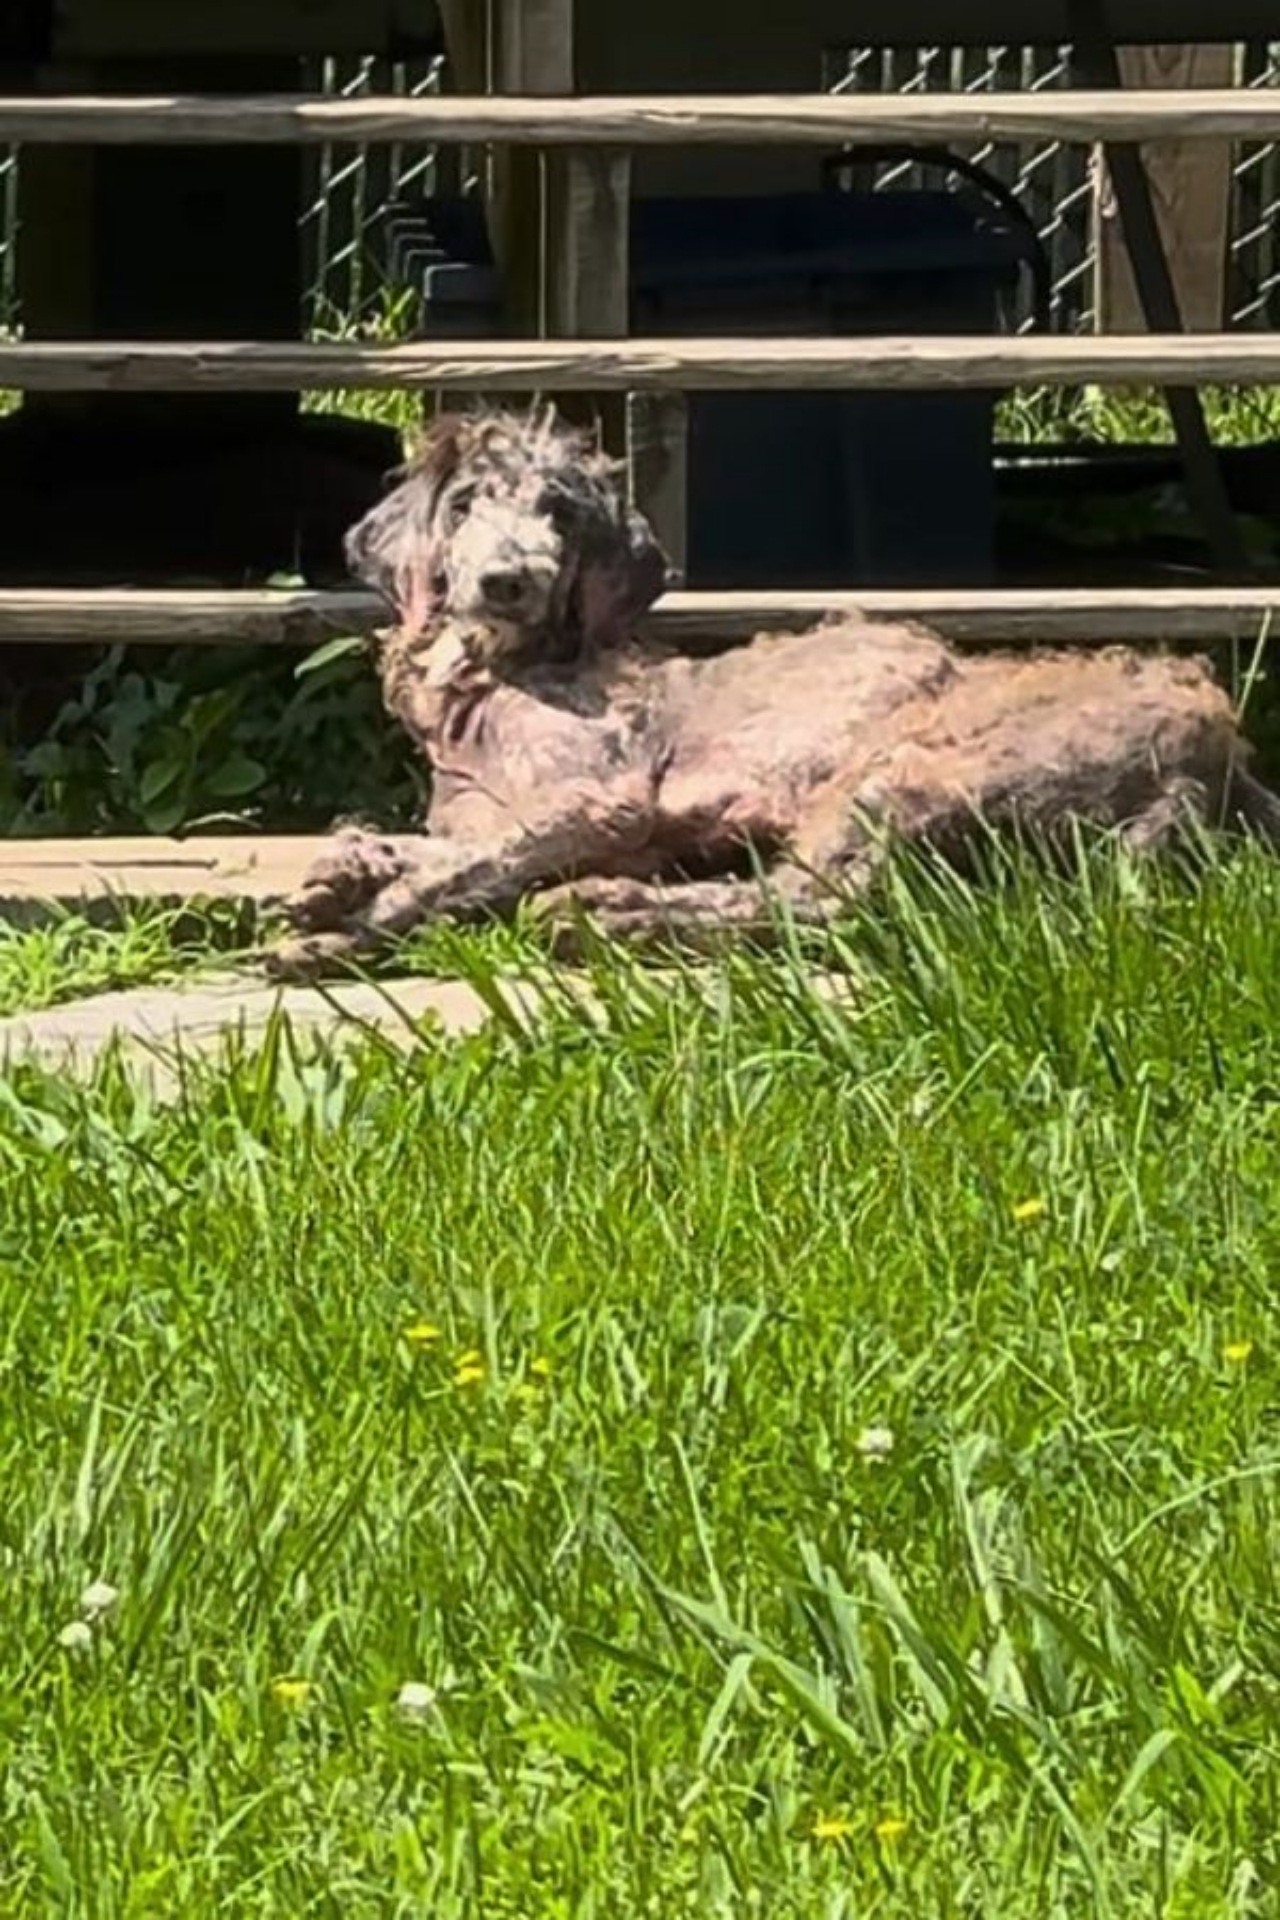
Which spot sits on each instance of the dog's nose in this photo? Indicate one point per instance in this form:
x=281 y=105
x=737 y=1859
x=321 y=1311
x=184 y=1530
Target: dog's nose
x=504 y=588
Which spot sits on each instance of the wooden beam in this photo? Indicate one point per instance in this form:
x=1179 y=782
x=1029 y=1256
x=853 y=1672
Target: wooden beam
x=468 y=57
x=602 y=366
x=198 y=617
x=658 y=466
x=1094 y=57
x=1191 y=187
x=204 y=617
x=528 y=59
x=796 y=119
x=563 y=215
x=466 y=43
x=588 y=275
x=998 y=616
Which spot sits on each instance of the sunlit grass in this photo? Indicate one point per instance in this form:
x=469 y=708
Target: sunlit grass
x=65 y=956
x=1236 y=416
x=751 y=1453
x=391 y=318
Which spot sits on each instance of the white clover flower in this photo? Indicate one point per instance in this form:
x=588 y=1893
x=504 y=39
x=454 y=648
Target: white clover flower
x=76 y=1636
x=875 y=1443
x=415 y=1700
x=99 y=1597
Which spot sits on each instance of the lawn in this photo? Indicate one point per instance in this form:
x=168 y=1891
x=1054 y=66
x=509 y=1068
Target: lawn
x=753 y=1456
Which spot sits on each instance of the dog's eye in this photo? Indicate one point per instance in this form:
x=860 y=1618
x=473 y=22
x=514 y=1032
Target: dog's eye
x=460 y=506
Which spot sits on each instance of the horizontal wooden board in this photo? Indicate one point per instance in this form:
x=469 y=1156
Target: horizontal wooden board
x=258 y=870
x=798 y=119
x=978 y=615
x=266 y=616
x=967 y=361
x=995 y=616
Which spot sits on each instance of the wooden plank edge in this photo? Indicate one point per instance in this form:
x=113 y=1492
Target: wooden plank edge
x=1084 y=116
x=910 y=363
x=250 y=873
x=302 y=617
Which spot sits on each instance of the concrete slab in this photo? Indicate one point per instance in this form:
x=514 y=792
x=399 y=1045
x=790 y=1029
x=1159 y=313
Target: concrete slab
x=157 y=1025
x=155 y=1028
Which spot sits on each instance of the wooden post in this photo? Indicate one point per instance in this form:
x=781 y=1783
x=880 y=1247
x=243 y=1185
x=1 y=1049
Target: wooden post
x=1094 y=58
x=1191 y=189
x=588 y=277
x=467 y=71
x=658 y=463
x=532 y=54
x=564 y=216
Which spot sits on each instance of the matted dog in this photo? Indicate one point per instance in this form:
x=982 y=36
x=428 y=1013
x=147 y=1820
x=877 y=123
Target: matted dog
x=681 y=798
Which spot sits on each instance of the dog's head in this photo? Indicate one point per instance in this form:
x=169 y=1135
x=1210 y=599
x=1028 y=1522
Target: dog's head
x=518 y=523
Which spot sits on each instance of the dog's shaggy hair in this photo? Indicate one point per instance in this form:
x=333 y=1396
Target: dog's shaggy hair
x=573 y=760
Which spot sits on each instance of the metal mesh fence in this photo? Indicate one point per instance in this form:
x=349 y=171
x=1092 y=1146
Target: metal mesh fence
x=1051 y=179
x=1054 y=180
x=346 y=191
x=1254 y=287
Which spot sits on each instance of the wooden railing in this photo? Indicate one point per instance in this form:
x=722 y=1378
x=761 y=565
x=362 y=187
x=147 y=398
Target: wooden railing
x=1171 y=360
x=622 y=120
x=303 y=617
x=602 y=366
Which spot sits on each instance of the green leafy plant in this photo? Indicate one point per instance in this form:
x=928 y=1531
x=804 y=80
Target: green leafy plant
x=221 y=736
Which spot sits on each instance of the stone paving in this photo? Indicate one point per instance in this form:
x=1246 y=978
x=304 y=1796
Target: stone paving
x=155 y=1026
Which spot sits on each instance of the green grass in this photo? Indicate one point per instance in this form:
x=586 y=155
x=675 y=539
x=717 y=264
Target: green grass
x=1236 y=416
x=669 y=1610
x=65 y=956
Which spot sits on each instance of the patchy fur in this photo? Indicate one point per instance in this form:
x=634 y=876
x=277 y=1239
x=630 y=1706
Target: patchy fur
x=517 y=523
x=573 y=761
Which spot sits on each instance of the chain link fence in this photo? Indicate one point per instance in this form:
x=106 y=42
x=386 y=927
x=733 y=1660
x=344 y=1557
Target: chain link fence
x=1054 y=179
x=346 y=191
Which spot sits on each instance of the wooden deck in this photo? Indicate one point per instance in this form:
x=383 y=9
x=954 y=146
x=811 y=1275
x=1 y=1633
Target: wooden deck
x=243 y=869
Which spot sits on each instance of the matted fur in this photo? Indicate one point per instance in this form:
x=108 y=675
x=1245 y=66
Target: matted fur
x=573 y=760
x=546 y=492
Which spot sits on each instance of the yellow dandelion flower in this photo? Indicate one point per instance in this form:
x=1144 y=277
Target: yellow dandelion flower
x=291 y=1692
x=540 y=1366
x=831 y=1826
x=889 y=1829
x=1236 y=1352
x=470 y=1375
x=471 y=1358
x=422 y=1334
x=1031 y=1209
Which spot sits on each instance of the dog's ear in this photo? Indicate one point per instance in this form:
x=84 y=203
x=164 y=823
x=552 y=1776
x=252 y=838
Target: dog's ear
x=620 y=575
x=395 y=548
x=647 y=565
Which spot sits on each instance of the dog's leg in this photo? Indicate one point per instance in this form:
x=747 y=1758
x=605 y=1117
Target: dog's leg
x=368 y=889
x=1183 y=804
x=701 y=916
